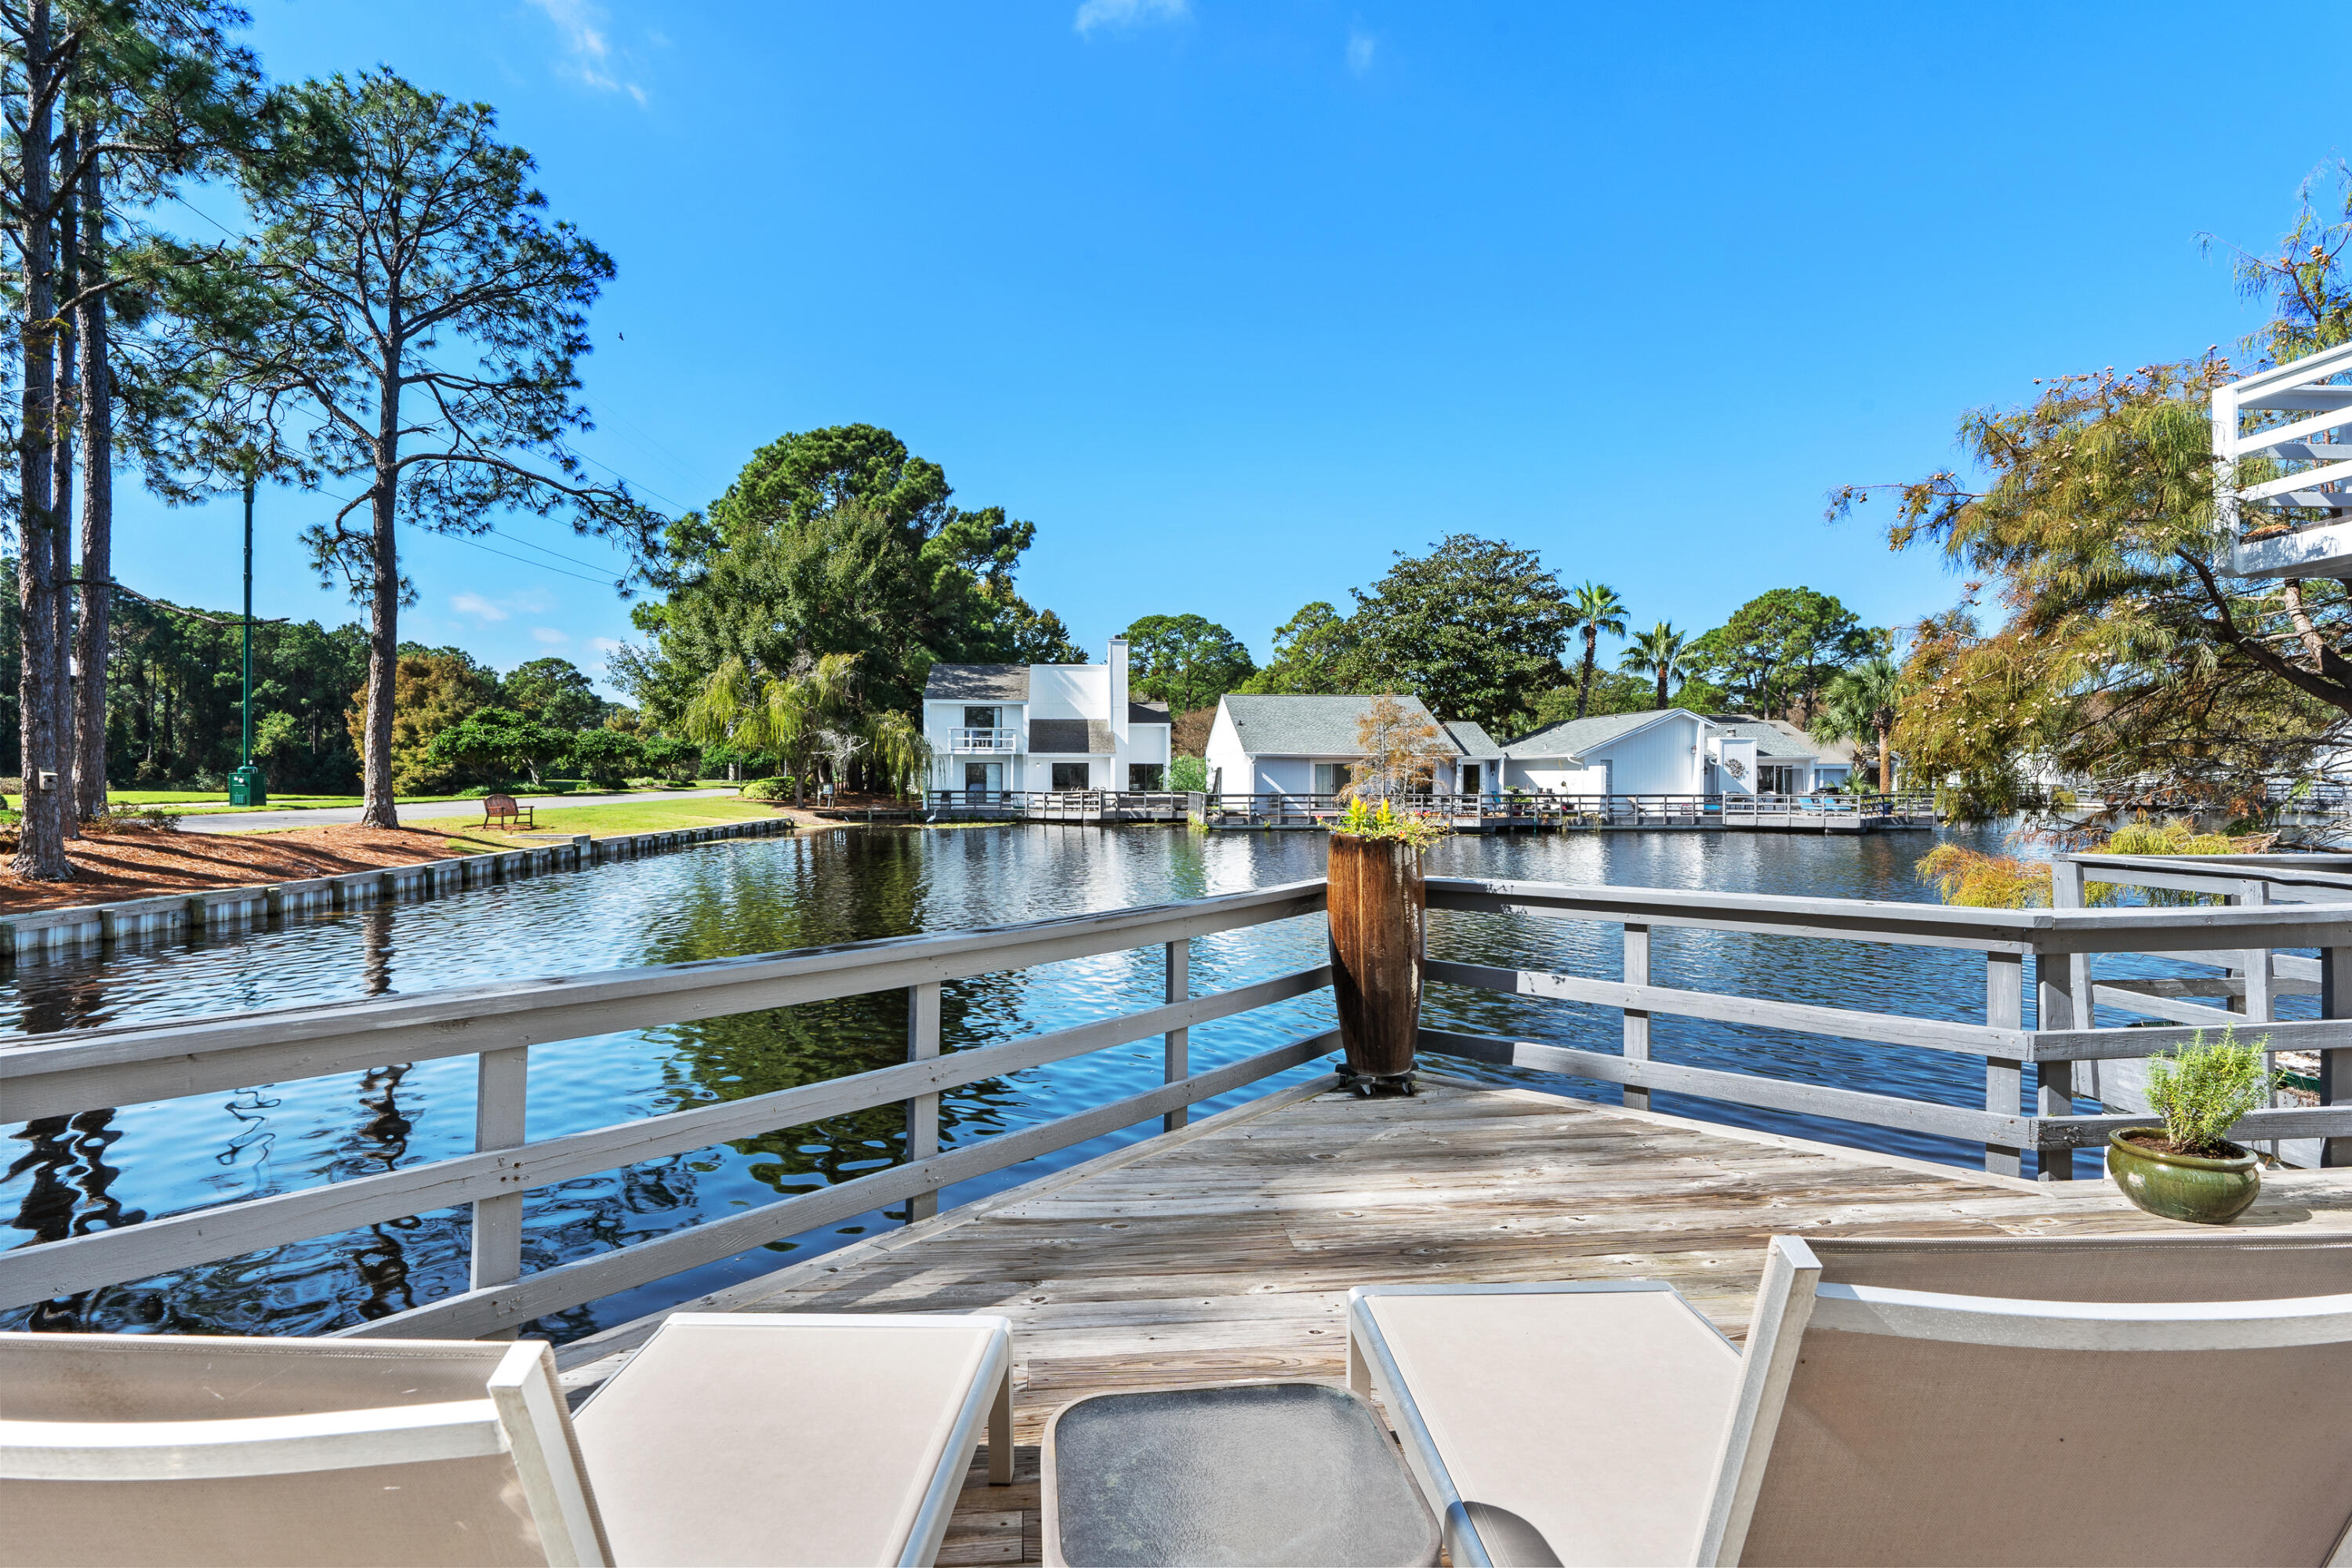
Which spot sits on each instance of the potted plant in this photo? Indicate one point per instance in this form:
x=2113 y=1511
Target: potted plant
x=2187 y=1169
x=1378 y=915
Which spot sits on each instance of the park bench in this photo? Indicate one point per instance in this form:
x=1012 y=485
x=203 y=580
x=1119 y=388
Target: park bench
x=501 y=809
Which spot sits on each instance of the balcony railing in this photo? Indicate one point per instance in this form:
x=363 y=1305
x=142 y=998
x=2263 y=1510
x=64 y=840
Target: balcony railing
x=984 y=740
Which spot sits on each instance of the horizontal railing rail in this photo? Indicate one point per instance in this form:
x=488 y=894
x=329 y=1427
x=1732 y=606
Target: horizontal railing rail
x=1547 y=805
x=63 y=1075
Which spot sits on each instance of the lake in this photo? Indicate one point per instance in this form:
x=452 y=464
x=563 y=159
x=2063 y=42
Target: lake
x=106 y=1168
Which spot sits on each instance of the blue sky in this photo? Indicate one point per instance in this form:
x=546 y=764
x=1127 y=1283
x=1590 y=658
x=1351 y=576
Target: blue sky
x=1233 y=300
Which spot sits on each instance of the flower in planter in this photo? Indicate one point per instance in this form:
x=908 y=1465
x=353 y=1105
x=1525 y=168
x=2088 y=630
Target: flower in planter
x=1385 y=822
x=2203 y=1090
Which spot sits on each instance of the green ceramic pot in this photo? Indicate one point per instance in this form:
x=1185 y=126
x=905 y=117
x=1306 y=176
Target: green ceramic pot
x=2182 y=1187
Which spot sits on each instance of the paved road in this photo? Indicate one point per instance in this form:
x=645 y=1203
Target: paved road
x=254 y=821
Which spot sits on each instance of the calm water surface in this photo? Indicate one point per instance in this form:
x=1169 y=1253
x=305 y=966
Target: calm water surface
x=105 y=1168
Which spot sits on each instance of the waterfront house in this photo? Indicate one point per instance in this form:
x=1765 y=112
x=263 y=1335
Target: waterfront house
x=1287 y=745
x=999 y=727
x=1674 y=751
x=1788 y=760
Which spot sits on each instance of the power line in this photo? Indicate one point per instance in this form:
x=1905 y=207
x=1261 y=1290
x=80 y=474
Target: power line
x=527 y=561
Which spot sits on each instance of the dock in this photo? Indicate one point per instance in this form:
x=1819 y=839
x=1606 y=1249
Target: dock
x=1225 y=1252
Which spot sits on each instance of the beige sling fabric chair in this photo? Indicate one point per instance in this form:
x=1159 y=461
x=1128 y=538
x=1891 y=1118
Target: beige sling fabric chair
x=763 y=1438
x=2141 y=1400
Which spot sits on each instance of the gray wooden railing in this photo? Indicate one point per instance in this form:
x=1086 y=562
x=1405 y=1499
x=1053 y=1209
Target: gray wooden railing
x=54 y=1075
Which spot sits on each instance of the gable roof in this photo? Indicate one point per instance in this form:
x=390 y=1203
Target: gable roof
x=1148 y=713
x=1574 y=737
x=1774 y=738
x=1470 y=740
x=1290 y=726
x=977 y=683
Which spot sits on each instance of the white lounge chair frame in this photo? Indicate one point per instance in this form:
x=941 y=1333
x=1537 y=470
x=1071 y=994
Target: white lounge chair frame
x=521 y=1414
x=1791 y=1300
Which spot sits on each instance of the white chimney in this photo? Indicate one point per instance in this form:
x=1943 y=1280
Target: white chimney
x=1119 y=693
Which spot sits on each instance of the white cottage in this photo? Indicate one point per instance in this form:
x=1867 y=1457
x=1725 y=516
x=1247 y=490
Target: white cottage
x=1289 y=746
x=1673 y=751
x=999 y=727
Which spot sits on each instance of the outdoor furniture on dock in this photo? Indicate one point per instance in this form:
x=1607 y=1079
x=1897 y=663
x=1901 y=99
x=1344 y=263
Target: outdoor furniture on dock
x=728 y=1440
x=1877 y=1404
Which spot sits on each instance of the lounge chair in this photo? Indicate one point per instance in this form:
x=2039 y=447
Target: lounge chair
x=2142 y=1400
x=763 y=1438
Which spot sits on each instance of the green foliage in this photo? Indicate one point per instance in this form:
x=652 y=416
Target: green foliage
x=1612 y=692
x=1188 y=774
x=898 y=753
x=767 y=789
x=1661 y=653
x=675 y=761
x=1778 y=649
x=2203 y=1089
x=1595 y=610
x=1864 y=704
x=1186 y=661
x=553 y=691
x=494 y=743
x=1362 y=820
x=1317 y=653
x=1474 y=628
x=605 y=757
x=430 y=692
x=1974 y=879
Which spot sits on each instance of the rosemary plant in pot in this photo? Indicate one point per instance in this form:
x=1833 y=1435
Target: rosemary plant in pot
x=1378 y=915
x=2187 y=1169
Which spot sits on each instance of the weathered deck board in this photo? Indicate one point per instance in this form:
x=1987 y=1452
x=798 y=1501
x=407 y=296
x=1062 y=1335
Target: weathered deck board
x=1229 y=1254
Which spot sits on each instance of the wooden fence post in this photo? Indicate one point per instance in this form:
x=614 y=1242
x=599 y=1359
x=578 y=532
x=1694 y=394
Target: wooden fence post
x=2056 y=1006
x=2004 y=1079
x=1176 y=1045
x=501 y=1097
x=1637 y=1019
x=922 y=1110
x=2335 y=1066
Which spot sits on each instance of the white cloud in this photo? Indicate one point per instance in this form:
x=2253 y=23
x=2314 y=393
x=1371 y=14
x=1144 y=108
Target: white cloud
x=606 y=645
x=475 y=605
x=591 y=60
x=1360 y=46
x=549 y=636
x=1096 y=13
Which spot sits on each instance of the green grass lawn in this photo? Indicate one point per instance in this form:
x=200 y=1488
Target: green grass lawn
x=600 y=821
x=210 y=803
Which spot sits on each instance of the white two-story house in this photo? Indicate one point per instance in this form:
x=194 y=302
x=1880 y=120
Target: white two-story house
x=995 y=728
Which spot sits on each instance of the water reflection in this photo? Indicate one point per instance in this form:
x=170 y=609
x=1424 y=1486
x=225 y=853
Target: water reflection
x=106 y=1167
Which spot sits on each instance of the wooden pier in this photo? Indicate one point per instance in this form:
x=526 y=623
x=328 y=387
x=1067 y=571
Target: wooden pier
x=1519 y=811
x=1225 y=1252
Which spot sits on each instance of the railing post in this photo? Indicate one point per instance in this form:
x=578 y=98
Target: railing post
x=1637 y=1019
x=2004 y=1079
x=1176 y=1045
x=922 y=1110
x=2055 y=1007
x=500 y=1096
x=2335 y=1066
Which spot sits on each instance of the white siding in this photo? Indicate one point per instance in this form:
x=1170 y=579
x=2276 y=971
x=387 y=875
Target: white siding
x=1069 y=691
x=1224 y=753
x=1559 y=776
x=1279 y=775
x=1666 y=758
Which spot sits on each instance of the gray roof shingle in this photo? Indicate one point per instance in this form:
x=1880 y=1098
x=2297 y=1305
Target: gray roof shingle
x=1772 y=740
x=1284 y=726
x=1472 y=740
x=1574 y=737
x=1146 y=713
x=977 y=683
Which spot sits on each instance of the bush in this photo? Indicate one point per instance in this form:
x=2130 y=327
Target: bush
x=642 y=782
x=767 y=789
x=2202 y=1090
x=1188 y=774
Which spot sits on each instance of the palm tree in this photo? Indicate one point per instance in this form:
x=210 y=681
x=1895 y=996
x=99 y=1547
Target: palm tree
x=1661 y=651
x=1862 y=704
x=1596 y=607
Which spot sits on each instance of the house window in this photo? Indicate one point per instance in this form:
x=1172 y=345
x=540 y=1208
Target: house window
x=1070 y=775
x=1469 y=778
x=979 y=718
x=1776 y=778
x=1330 y=778
x=1145 y=776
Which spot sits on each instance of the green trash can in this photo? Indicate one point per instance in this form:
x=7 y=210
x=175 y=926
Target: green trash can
x=248 y=787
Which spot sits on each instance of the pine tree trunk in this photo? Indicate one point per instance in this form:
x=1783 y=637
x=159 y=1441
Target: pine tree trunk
x=93 y=637
x=383 y=604
x=40 y=842
x=61 y=486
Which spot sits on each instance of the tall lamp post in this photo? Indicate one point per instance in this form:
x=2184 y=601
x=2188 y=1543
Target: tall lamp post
x=245 y=786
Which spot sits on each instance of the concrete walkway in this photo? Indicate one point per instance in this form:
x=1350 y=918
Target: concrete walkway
x=326 y=816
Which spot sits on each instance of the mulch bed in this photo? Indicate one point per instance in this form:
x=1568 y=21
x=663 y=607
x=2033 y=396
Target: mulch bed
x=146 y=862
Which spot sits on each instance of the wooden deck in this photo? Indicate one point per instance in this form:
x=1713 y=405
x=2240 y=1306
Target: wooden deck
x=1226 y=1252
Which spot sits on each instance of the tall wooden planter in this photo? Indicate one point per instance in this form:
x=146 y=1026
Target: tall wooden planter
x=1379 y=920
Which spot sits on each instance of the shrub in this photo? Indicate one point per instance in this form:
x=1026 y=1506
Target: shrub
x=137 y=818
x=1979 y=880
x=2203 y=1090
x=1386 y=822
x=1187 y=774
x=767 y=789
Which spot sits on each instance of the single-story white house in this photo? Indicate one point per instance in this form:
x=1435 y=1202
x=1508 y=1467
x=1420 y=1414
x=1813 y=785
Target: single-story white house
x=1307 y=745
x=1672 y=750
x=999 y=727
